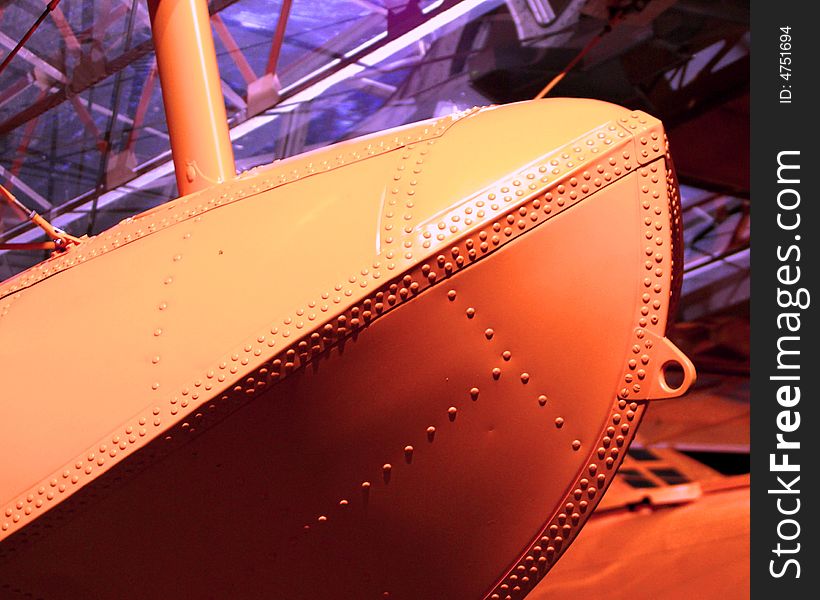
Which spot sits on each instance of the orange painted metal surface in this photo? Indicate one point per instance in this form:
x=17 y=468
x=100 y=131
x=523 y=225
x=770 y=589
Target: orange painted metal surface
x=403 y=366
x=191 y=93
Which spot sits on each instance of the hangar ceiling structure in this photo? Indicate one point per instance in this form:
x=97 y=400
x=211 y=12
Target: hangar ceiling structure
x=83 y=139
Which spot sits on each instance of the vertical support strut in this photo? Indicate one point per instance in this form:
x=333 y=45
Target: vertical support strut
x=278 y=37
x=191 y=93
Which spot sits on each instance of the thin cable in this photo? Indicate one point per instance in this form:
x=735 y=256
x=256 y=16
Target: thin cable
x=584 y=51
x=49 y=7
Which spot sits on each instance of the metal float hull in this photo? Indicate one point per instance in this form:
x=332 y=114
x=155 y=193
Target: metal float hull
x=404 y=366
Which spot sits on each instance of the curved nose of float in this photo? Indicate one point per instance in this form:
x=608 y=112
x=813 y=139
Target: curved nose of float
x=403 y=366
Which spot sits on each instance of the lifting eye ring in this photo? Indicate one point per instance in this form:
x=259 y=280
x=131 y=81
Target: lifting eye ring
x=672 y=375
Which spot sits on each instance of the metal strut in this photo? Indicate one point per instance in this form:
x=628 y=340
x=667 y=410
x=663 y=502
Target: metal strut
x=59 y=239
x=192 y=94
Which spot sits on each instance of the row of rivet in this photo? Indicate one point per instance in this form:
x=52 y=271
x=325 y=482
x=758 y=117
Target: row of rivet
x=653 y=195
x=452 y=412
x=403 y=185
x=7 y=302
x=676 y=225
x=561 y=171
